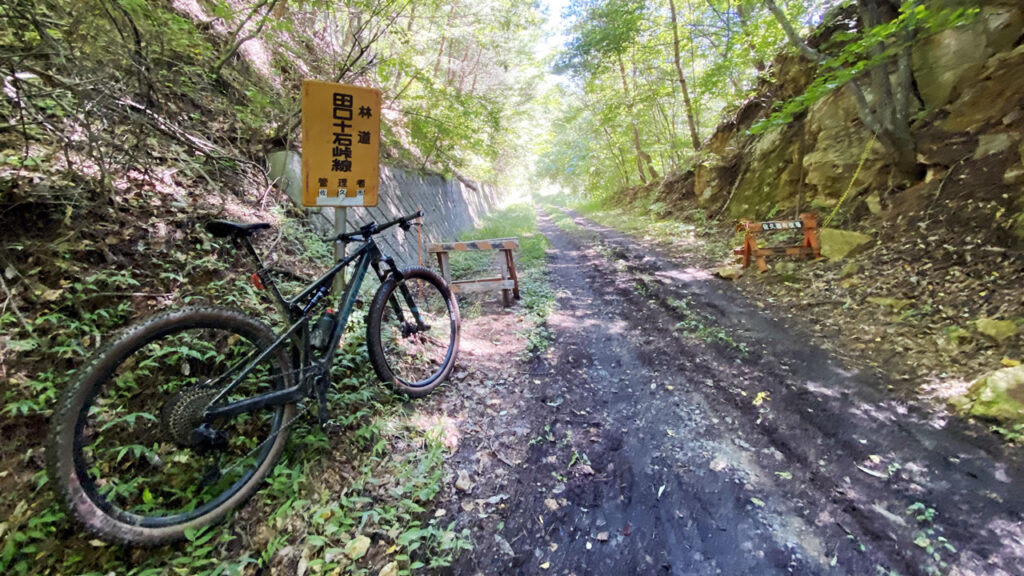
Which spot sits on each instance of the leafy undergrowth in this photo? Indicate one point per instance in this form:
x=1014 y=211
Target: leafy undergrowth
x=691 y=232
x=364 y=486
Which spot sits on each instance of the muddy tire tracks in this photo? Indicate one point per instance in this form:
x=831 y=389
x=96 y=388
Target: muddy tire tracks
x=675 y=428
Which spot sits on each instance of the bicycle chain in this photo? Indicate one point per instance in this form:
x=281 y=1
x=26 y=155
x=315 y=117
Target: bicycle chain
x=273 y=436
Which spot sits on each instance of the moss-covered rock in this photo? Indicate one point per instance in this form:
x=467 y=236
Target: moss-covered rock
x=765 y=181
x=837 y=244
x=996 y=396
x=836 y=140
x=998 y=330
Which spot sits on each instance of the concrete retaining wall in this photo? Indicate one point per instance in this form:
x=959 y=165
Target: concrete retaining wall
x=450 y=206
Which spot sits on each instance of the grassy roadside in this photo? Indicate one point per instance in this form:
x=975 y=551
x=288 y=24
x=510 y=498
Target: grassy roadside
x=690 y=231
x=537 y=298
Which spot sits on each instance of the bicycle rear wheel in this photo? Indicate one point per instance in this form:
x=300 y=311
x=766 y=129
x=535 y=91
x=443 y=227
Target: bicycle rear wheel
x=130 y=454
x=412 y=358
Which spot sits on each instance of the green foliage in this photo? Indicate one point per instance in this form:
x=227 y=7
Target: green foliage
x=537 y=297
x=622 y=75
x=928 y=537
x=375 y=445
x=851 y=55
x=700 y=326
x=601 y=30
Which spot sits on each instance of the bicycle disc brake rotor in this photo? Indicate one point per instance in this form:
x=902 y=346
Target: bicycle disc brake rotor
x=183 y=413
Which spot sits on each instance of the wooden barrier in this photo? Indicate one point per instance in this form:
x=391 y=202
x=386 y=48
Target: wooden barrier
x=508 y=282
x=810 y=247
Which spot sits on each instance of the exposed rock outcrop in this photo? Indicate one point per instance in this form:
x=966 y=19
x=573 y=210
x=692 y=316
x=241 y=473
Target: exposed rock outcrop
x=970 y=84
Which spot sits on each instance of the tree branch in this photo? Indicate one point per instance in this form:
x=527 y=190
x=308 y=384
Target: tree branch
x=794 y=38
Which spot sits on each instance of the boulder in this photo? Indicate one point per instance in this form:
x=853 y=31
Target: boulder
x=989 y=144
x=765 y=180
x=942 y=61
x=836 y=140
x=992 y=97
x=874 y=203
x=996 y=396
x=837 y=244
x=998 y=330
x=729 y=271
x=947 y=62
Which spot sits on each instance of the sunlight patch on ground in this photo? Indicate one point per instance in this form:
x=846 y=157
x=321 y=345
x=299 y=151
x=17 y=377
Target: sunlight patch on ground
x=445 y=426
x=821 y=389
x=943 y=388
x=686 y=275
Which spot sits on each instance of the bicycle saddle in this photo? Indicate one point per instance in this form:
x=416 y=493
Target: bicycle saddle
x=223 y=228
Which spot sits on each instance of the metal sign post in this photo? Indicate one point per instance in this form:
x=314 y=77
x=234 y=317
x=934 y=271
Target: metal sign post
x=340 y=222
x=340 y=150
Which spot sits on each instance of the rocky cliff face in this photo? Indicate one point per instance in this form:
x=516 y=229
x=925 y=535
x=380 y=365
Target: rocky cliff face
x=970 y=139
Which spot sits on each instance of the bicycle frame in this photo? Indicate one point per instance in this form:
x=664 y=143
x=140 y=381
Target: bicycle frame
x=299 y=310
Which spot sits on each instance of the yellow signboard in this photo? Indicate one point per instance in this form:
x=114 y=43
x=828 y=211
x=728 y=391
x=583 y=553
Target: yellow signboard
x=340 y=144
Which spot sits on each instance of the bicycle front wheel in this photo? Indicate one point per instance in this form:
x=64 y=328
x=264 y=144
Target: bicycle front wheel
x=413 y=331
x=132 y=454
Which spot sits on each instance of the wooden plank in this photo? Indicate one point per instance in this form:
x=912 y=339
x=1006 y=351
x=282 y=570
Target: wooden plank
x=782 y=251
x=446 y=270
x=472 y=245
x=481 y=286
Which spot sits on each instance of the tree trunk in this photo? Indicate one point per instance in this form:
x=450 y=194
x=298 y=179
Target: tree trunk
x=642 y=158
x=892 y=106
x=694 y=138
x=440 y=49
x=618 y=159
x=794 y=38
x=889 y=119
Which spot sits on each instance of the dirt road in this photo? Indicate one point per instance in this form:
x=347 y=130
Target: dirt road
x=675 y=428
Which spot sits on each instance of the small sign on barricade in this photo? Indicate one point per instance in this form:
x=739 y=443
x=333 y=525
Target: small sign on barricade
x=508 y=282
x=810 y=247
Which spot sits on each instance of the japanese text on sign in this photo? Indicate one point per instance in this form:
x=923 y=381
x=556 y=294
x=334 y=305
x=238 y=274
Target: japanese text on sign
x=340 y=144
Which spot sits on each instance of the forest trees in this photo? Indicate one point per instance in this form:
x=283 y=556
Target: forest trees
x=643 y=81
x=222 y=76
x=885 y=34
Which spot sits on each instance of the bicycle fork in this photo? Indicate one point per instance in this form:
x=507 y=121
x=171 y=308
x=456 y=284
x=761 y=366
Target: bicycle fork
x=396 y=305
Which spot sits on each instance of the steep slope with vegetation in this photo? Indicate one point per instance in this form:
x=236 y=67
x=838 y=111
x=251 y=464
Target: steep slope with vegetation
x=899 y=120
x=125 y=125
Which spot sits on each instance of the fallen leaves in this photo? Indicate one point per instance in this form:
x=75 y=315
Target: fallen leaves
x=463 y=482
x=761 y=398
x=718 y=464
x=356 y=548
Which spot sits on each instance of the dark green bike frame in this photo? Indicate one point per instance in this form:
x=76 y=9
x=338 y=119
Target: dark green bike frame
x=313 y=374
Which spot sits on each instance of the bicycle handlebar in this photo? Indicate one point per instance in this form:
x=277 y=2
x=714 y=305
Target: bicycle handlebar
x=372 y=228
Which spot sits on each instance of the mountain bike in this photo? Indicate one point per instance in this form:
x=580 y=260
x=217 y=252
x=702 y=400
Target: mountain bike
x=177 y=421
